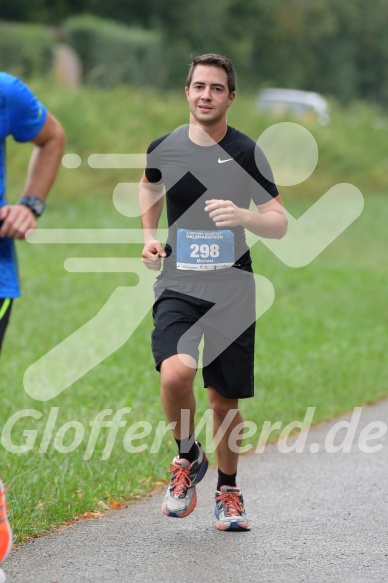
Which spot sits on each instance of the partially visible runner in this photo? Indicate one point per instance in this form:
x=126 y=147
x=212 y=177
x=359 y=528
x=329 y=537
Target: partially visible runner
x=27 y=120
x=210 y=172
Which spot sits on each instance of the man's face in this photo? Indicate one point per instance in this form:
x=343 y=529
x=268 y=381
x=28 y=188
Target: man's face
x=208 y=95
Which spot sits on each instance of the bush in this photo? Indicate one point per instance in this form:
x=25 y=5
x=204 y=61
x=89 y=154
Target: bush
x=113 y=54
x=26 y=49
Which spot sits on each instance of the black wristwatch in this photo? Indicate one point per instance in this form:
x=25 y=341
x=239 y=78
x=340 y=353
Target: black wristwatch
x=34 y=203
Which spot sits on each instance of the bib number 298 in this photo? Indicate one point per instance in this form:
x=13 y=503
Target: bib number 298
x=204 y=250
x=201 y=250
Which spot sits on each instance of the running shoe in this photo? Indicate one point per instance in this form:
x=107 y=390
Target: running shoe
x=181 y=498
x=5 y=530
x=230 y=509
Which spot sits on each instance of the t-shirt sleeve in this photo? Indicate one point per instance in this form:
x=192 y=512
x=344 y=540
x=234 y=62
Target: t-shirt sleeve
x=26 y=114
x=263 y=187
x=152 y=171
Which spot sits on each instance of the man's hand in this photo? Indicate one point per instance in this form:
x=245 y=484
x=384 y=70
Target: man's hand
x=224 y=213
x=151 y=255
x=269 y=220
x=17 y=220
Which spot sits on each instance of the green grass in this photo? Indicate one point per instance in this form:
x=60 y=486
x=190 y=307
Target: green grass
x=322 y=344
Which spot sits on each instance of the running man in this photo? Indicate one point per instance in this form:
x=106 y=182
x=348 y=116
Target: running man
x=210 y=172
x=27 y=120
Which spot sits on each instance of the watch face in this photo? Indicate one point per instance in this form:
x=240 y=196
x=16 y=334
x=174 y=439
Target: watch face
x=38 y=205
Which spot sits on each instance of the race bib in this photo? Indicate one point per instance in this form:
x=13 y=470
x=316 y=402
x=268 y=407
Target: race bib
x=204 y=250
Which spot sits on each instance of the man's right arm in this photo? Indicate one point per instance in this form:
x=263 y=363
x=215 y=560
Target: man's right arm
x=151 y=200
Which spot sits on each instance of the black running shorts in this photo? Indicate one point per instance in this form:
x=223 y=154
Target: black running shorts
x=223 y=313
x=5 y=311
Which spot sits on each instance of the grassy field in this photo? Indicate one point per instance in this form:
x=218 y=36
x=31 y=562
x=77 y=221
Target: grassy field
x=322 y=344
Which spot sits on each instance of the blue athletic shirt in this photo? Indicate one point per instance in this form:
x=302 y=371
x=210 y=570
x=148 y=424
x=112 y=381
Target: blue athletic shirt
x=21 y=116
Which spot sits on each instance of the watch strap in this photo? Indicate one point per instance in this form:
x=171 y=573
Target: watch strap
x=34 y=203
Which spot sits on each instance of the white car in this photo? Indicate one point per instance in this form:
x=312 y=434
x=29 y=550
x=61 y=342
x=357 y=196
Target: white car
x=306 y=105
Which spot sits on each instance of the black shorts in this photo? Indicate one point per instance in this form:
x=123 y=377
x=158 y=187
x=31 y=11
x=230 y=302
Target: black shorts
x=223 y=313
x=5 y=311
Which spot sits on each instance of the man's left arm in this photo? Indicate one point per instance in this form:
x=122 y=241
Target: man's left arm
x=269 y=221
x=43 y=167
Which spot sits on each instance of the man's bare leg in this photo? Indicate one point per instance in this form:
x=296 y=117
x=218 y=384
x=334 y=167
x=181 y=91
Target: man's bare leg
x=177 y=392
x=190 y=466
x=227 y=454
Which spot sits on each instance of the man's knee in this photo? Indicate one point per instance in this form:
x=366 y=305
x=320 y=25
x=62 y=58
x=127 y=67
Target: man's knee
x=177 y=378
x=221 y=406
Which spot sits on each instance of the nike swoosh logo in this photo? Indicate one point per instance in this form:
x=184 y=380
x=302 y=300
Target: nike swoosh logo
x=222 y=161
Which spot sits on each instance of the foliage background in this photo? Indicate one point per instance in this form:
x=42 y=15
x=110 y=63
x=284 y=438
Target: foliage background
x=337 y=48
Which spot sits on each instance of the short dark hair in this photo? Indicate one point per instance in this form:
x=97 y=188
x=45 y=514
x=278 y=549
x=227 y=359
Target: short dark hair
x=214 y=60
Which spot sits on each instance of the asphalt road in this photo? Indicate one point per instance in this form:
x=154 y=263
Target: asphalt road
x=317 y=516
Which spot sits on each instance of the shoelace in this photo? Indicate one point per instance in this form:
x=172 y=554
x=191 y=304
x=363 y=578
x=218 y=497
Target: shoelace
x=181 y=479
x=231 y=503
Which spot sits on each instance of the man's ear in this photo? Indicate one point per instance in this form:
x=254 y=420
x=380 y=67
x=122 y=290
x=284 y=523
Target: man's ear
x=231 y=98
